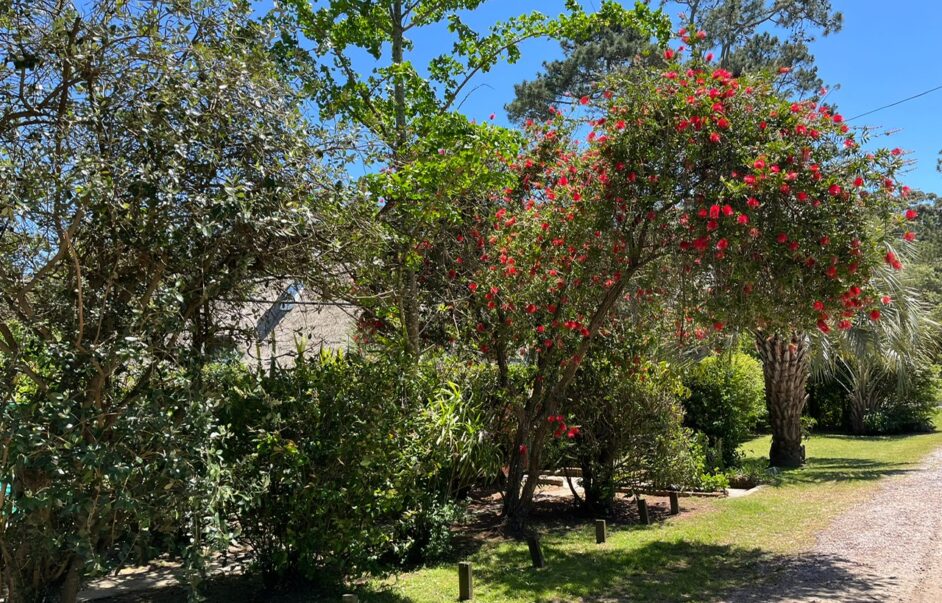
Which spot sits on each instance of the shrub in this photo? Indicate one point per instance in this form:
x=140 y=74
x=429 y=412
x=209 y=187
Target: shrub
x=751 y=473
x=906 y=405
x=725 y=403
x=630 y=432
x=894 y=403
x=827 y=403
x=350 y=465
x=152 y=473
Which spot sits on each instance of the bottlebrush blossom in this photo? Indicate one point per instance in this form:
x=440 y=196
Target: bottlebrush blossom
x=659 y=200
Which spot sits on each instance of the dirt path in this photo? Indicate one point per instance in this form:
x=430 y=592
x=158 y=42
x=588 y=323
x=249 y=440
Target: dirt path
x=888 y=548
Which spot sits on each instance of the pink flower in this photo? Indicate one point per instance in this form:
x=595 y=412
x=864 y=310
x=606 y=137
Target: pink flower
x=909 y=236
x=584 y=100
x=722 y=244
x=911 y=214
x=714 y=137
x=874 y=315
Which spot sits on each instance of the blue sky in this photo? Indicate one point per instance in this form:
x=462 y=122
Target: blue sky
x=885 y=52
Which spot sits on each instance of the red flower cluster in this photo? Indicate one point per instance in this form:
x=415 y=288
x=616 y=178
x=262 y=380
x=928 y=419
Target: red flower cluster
x=587 y=217
x=562 y=428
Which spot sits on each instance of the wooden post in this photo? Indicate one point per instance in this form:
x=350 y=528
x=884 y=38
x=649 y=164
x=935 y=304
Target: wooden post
x=643 y=511
x=536 y=552
x=349 y=599
x=465 y=586
x=675 y=503
x=600 y=531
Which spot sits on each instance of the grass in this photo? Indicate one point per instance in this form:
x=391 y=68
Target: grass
x=713 y=546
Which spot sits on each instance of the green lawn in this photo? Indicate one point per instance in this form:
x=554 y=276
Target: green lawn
x=716 y=545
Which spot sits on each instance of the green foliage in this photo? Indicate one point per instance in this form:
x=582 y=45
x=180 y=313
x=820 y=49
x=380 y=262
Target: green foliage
x=895 y=403
x=750 y=473
x=727 y=399
x=907 y=408
x=827 y=403
x=924 y=273
x=155 y=165
x=435 y=170
x=713 y=481
x=351 y=465
x=630 y=432
x=89 y=492
x=885 y=366
x=392 y=94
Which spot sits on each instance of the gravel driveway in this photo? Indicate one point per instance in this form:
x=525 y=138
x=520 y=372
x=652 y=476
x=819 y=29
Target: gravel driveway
x=888 y=548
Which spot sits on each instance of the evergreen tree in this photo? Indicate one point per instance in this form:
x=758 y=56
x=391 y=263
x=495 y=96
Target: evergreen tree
x=745 y=35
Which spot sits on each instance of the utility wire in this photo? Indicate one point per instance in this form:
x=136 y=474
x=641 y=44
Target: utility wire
x=899 y=102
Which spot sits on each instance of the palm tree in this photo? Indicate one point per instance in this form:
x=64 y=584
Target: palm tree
x=879 y=356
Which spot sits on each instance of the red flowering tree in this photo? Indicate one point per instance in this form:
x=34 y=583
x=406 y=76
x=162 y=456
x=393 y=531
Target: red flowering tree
x=757 y=212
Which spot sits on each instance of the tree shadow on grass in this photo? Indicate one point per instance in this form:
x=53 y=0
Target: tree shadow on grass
x=665 y=571
x=837 y=469
x=248 y=588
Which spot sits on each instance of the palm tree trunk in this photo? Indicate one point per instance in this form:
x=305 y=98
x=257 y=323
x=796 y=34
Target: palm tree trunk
x=785 y=364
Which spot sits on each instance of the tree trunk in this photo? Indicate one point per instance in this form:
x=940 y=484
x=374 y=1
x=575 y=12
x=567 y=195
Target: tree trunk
x=533 y=429
x=786 y=369
x=528 y=455
x=72 y=582
x=857 y=412
x=598 y=483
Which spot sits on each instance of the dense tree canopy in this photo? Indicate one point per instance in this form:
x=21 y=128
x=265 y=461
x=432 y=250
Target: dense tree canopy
x=360 y=69
x=152 y=164
x=763 y=213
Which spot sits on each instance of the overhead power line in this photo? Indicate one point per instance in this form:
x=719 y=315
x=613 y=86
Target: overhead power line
x=899 y=102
